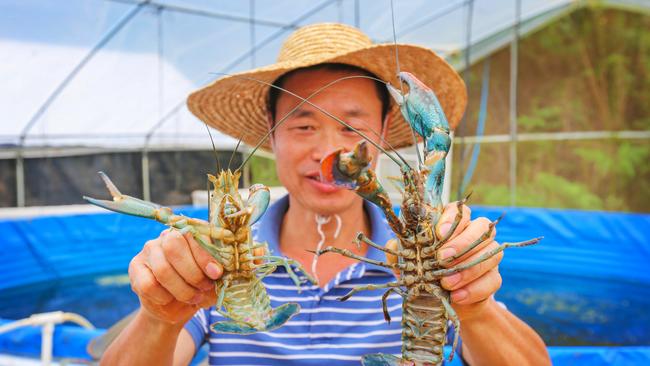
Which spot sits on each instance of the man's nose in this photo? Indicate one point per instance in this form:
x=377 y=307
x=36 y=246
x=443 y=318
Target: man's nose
x=328 y=142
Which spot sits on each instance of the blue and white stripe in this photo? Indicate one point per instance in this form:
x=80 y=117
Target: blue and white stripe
x=325 y=330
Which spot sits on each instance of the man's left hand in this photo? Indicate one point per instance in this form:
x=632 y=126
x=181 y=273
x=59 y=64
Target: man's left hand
x=472 y=288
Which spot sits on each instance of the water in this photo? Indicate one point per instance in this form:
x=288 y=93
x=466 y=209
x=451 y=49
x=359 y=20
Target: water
x=566 y=311
x=579 y=311
x=103 y=299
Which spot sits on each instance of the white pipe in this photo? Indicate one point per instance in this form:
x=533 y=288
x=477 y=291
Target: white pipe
x=48 y=321
x=46 y=343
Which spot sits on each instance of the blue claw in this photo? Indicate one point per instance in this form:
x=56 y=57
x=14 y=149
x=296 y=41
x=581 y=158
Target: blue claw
x=420 y=107
x=258 y=198
x=282 y=314
x=122 y=203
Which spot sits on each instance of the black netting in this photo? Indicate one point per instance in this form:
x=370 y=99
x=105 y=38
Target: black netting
x=175 y=174
x=64 y=180
x=7 y=183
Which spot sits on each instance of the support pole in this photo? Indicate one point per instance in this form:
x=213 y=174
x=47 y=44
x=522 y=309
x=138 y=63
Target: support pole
x=46 y=344
x=460 y=129
x=20 y=179
x=513 y=105
x=146 y=192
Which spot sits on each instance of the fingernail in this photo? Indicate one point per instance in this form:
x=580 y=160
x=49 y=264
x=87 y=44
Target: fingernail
x=447 y=252
x=458 y=296
x=197 y=299
x=444 y=228
x=450 y=281
x=213 y=270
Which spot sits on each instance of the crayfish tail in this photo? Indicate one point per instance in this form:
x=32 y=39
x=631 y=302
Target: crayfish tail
x=281 y=315
x=382 y=359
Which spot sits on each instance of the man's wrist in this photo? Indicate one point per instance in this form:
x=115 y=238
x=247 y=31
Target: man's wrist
x=157 y=325
x=478 y=312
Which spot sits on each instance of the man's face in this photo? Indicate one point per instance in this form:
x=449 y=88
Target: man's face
x=308 y=135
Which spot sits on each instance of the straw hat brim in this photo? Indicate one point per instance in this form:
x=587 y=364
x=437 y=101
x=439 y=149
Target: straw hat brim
x=234 y=104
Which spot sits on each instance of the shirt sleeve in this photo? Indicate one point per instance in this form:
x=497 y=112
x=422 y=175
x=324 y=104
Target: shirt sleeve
x=198 y=327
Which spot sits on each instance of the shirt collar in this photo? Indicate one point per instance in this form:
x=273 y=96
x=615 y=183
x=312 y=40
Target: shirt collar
x=268 y=229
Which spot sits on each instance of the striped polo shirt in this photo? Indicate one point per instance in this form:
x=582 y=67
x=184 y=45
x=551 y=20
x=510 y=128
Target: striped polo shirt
x=325 y=330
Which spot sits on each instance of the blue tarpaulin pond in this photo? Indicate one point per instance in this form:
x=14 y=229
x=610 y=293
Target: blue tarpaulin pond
x=585 y=288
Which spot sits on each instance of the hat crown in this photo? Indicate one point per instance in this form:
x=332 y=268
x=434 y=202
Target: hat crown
x=322 y=40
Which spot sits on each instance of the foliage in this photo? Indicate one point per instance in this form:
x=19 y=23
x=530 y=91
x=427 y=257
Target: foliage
x=263 y=171
x=587 y=71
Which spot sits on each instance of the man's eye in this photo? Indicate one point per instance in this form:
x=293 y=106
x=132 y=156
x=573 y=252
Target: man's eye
x=354 y=130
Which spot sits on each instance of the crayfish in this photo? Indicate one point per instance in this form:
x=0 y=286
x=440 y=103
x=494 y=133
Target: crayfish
x=241 y=296
x=426 y=308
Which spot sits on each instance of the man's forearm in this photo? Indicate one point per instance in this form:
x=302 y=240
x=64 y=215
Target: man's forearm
x=145 y=341
x=497 y=337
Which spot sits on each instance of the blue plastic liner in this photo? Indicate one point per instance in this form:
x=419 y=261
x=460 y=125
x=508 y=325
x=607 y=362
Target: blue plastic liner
x=71 y=341
x=68 y=341
x=54 y=247
x=587 y=283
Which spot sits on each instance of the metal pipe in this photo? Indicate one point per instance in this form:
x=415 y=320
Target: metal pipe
x=216 y=15
x=20 y=179
x=466 y=78
x=146 y=193
x=236 y=62
x=146 y=181
x=46 y=344
x=102 y=42
x=20 y=174
x=514 y=50
x=357 y=18
x=252 y=32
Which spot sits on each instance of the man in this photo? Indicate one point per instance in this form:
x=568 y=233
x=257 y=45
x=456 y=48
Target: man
x=173 y=276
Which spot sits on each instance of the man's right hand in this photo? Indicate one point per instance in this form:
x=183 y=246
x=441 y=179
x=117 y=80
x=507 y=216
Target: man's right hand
x=174 y=277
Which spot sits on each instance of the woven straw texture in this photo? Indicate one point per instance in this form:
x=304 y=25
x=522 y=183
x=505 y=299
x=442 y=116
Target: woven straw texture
x=234 y=105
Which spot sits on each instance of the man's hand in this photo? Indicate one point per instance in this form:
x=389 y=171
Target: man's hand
x=472 y=288
x=174 y=277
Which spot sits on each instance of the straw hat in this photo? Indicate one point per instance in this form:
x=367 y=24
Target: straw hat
x=233 y=104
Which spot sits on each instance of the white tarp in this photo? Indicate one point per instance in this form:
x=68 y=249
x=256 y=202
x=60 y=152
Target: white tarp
x=168 y=48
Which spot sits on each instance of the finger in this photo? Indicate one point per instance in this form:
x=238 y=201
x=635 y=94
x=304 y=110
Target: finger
x=449 y=216
x=145 y=285
x=210 y=298
x=462 y=278
x=478 y=290
x=178 y=253
x=206 y=262
x=392 y=259
x=475 y=230
x=259 y=252
x=167 y=276
x=391 y=245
